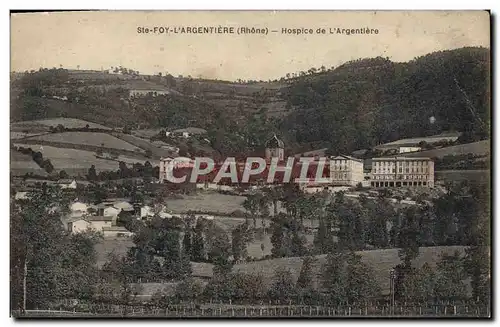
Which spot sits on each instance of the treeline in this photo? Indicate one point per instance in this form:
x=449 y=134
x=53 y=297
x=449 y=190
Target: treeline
x=38 y=158
x=146 y=171
x=363 y=224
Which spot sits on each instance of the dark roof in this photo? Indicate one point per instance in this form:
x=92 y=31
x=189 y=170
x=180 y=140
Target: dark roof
x=274 y=142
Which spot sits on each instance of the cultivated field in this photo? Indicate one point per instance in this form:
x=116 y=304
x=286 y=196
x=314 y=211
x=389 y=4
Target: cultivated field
x=21 y=135
x=143 y=144
x=146 y=133
x=85 y=138
x=66 y=122
x=76 y=161
x=21 y=164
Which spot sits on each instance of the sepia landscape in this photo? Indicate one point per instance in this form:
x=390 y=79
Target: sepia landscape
x=400 y=229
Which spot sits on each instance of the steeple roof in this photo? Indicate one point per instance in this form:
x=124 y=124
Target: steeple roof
x=274 y=142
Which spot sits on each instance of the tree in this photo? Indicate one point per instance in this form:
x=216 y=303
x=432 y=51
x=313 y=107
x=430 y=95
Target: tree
x=240 y=237
x=50 y=263
x=92 y=175
x=282 y=288
x=417 y=285
x=306 y=274
x=63 y=174
x=188 y=290
x=347 y=279
x=198 y=244
x=450 y=277
x=187 y=244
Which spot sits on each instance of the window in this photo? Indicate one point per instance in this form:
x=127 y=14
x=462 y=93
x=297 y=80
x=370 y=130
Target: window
x=400 y=170
x=393 y=170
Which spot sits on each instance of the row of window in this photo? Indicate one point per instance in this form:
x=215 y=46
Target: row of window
x=408 y=170
x=391 y=177
x=399 y=163
x=340 y=176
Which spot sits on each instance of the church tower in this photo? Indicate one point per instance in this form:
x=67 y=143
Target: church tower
x=275 y=148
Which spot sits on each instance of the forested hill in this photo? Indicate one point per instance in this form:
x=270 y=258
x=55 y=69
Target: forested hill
x=370 y=101
x=356 y=105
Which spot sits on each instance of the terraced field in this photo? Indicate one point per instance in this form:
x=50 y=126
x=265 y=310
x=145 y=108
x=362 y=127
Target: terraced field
x=66 y=122
x=89 y=139
x=21 y=164
x=477 y=148
x=143 y=144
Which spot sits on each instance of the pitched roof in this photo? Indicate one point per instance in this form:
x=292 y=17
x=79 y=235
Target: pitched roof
x=342 y=156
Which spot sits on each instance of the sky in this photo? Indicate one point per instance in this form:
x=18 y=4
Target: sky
x=99 y=40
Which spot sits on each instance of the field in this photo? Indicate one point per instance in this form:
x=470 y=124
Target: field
x=207 y=202
x=143 y=144
x=66 y=122
x=146 y=133
x=76 y=161
x=477 y=148
x=21 y=135
x=85 y=138
x=21 y=164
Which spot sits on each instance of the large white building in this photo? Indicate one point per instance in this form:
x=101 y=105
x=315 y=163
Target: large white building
x=346 y=171
x=402 y=172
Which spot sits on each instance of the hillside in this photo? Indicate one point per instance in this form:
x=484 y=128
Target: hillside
x=357 y=105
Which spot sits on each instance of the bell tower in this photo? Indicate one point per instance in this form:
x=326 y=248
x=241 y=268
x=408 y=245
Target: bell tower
x=275 y=148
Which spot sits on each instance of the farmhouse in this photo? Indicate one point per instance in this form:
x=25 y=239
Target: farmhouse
x=81 y=224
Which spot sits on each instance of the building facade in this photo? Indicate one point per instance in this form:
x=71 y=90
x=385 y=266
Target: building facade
x=346 y=171
x=402 y=172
